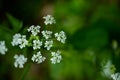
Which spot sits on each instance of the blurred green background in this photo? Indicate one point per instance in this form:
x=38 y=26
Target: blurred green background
x=92 y=28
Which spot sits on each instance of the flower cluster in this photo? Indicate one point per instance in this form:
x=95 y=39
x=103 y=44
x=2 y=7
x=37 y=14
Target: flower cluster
x=20 y=60
x=20 y=40
x=46 y=41
x=115 y=76
x=47 y=34
x=34 y=30
x=37 y=44
x=49 y=20
x=3 y=48
x=61 y=36
x=108 y=69
x=48 y=44
x=38 y=57
x=56 y=57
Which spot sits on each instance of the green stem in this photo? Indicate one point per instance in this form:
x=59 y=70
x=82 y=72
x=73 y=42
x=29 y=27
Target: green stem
x=26 y=70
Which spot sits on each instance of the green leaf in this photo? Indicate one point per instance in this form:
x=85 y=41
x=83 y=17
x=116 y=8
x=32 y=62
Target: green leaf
x=15 y=23
x=5 y=34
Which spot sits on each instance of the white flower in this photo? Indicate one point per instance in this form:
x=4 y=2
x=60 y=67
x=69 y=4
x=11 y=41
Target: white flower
x=3 y=48
x=61 y=36
x=47 y=34
x=16 y=39
x=48 y=44
x=115 y=76
x=20 y=40
x=56 y=57
x=114 y=44
x=37 y=44
x=20 y=60
x=49 y=20
x=23 y=42
x=38 y=58
x=107 y=69
x=34 y=29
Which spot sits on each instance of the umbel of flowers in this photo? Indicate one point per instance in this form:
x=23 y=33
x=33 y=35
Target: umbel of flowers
x=41 y=39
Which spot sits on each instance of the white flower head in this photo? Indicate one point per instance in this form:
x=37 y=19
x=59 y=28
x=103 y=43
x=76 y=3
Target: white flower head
x=23 y=42
x=38 y=58
x=61 y=36
x=20 y=40
x=47 y=34
x=49 y=20
x=108 y=69
x=56 y=57
x=16 y=39
x=20 y=60
x=3 y=48
x=115 y=76
x=34 y=30
x=48 y=44
x=37 y=44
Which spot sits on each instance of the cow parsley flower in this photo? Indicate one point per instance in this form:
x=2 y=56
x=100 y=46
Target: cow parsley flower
x=23 y=42
x=37 y=44
x=56 y=57
x=48 y=44
x=3 y=48
x=47 y=34
x=16 y=39
x=49 y=20
x=34 y=30
x=20 y=40
x=20 y=60
x=115 y=76
x=38 y=58
x=108 y=69
x=61 y=36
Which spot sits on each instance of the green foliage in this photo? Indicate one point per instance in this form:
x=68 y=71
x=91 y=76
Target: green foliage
x=15 y=23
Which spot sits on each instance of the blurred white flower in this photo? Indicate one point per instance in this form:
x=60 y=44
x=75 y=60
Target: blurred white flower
x=3 y=48
x=38 y=58
x=47 y=34
x=23 y=42
x=108 y=69
x=48 y=44
x=20 y=60
x=34 y=30
x=115 y=76
x=56 y=57
x=114 y=44
x=16 y=39
x=49 y=20
x=37 y=44
x=61 y=36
